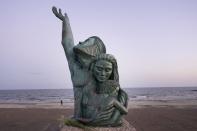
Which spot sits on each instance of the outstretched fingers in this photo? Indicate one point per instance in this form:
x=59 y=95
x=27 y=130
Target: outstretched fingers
x=58 y=14
x=65 y=15
x=54 y=9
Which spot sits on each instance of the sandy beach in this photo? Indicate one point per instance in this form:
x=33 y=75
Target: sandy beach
x=143 y=115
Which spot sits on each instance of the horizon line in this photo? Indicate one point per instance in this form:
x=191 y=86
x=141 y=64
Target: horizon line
x=122 y=87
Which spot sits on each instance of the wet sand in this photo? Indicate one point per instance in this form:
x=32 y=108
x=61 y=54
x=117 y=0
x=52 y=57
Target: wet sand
x=146 y=118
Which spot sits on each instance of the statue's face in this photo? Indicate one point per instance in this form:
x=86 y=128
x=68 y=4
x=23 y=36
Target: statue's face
x=102 y=70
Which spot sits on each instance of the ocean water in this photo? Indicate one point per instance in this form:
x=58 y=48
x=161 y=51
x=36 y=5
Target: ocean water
x=135 y=94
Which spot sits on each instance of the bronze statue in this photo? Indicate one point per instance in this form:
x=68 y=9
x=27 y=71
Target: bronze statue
x=99 y=100
x=78 y=57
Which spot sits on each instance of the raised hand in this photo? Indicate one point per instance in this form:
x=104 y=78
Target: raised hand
x=59 y=14
x=67 y=36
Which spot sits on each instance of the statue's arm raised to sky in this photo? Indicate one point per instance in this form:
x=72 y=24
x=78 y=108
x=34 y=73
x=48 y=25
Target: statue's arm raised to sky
x=67 y=36
x=68 y=45
x=79 y=57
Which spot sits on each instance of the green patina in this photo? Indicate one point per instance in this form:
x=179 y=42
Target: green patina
x=99 y=99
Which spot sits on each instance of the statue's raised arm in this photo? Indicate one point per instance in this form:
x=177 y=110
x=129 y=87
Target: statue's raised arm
x=67 y=36
x=79 y=58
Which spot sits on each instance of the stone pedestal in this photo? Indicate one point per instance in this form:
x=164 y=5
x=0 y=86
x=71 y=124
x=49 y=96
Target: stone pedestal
x=125 y=127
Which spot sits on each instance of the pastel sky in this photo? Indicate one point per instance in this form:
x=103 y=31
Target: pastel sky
x=154 y=41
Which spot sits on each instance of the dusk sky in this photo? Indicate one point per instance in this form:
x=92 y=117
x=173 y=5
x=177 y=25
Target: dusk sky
x=154 y=41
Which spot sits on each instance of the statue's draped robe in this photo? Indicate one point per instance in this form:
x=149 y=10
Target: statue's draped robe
x=80 y=76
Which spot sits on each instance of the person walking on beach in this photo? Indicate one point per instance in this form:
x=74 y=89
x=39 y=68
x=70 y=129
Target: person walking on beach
x=61 y=102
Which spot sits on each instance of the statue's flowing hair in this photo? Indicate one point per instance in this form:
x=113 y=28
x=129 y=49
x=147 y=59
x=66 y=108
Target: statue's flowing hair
x=92 y=50
x=108 y=57
x=99 y=43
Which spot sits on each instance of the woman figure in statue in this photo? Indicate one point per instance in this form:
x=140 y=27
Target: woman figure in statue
x=107 y=106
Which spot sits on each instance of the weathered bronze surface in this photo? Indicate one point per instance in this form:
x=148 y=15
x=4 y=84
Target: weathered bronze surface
x=99 y=100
